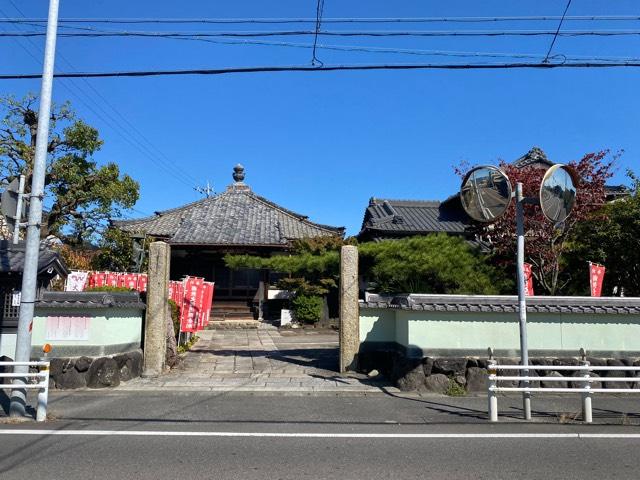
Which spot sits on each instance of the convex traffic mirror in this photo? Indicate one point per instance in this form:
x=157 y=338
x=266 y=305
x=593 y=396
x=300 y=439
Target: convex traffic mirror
x=485 y=193
x=557 y=193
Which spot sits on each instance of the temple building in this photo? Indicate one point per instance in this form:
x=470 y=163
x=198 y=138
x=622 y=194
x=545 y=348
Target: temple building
x=236 y=221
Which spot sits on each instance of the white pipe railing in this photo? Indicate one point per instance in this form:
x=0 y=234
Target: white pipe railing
x=42 y=386
x=586 y=380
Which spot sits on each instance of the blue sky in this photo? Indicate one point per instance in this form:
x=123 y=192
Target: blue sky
x=323 y=143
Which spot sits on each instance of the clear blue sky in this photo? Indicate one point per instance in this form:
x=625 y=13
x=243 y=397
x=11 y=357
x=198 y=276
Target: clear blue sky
x=323 y=143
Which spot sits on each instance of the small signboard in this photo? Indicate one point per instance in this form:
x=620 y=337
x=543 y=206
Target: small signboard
x=76 y=281
x=67 y=328
x=285 y=317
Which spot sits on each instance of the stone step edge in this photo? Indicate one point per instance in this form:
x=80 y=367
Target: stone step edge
x=233 y=324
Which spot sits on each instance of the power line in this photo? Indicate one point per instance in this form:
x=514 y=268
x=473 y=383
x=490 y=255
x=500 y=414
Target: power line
x=555 y=37
x=110 y=121
x=421 y=52
x=333 y=33
x=214 y=21
x=319 y=9
x=328 y=68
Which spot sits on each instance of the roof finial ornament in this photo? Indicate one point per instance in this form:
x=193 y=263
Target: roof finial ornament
x=238 y=173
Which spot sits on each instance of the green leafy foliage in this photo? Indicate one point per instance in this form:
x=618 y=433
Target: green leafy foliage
x=436 y=263
x=610 y=236
x=313 y=265
x=454 y=389
x=186 y=346
x=116 y=252
x=307 y=308
x=107 y=288
x=175 y=316
x=81 y=196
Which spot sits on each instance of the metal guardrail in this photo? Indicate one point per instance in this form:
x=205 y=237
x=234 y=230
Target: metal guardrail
x=585 y=390
x=42 y=386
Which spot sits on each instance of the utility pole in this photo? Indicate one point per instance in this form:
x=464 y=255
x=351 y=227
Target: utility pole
x=522 y=299
x=30 y=273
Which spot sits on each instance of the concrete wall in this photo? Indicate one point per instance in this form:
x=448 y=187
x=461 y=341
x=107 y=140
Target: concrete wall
x=471 y=333
x=111 y=330
x=8 y=344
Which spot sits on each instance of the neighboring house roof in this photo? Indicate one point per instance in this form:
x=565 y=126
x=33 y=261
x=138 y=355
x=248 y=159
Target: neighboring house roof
x=12 y=260
x=235 y=217
x=411 y=217
x=533 y=158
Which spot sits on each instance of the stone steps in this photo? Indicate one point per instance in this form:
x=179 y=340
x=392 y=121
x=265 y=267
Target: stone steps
x=230 y=310
x=235 y=324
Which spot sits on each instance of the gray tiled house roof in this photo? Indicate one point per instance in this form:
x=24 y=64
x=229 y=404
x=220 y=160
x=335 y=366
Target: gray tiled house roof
x=235 y=217
x=389 y=218
x=12 y=260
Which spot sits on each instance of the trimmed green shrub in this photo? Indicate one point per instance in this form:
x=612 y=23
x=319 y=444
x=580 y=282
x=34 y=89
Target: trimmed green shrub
x=307 y=308
x=107 y=288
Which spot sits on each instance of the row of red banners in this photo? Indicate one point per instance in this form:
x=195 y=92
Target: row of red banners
x=133 y=281
x=78 y=281
x=193 y=295
x=596 y=277
x=194 y=298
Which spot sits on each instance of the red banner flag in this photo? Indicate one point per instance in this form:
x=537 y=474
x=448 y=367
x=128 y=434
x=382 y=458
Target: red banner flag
x=208 y=300
x=100 y=279
x=528 y=280
x=596 y=277
x=189 y=314
x=142 y=282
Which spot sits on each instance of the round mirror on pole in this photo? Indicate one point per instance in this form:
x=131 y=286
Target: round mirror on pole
x=558 y=193
x=485 y=193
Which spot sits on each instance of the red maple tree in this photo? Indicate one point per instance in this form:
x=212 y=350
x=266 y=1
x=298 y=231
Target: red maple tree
x=546 y=243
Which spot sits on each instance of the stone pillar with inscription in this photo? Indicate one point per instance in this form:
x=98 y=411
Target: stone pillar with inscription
x=349 y=309
x=157 y=309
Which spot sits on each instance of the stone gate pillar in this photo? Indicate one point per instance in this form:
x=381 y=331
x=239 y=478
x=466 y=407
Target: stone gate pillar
x=349 y=308
x=157 y=309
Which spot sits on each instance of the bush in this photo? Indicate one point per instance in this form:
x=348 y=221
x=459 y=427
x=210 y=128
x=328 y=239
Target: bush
x=175 y=316
x=186 y=346
x=107 y=288
x=307 y=308
x=430 y=264
x=454 y=389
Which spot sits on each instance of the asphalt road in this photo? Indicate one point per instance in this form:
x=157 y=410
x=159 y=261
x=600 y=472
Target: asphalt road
x=120 y=436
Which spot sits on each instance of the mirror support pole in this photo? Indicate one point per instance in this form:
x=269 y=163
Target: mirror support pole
x=522 y=301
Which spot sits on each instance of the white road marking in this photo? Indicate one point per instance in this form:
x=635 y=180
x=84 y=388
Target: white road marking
x=157 y=433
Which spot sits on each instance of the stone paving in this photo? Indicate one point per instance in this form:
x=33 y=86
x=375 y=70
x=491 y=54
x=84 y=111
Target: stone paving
x=263 y=361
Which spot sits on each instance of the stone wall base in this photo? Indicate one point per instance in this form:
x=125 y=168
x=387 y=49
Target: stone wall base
x=94 y=372
x=469 y=374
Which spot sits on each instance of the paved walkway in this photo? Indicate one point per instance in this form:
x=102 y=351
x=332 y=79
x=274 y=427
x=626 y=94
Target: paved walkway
x=261 y=361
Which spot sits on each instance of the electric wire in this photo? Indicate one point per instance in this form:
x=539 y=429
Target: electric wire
x=80 y=94
x=403 y=51
x=555 y=37
x=333 y=33
x=222 y=21
x=319 y=8
x=328 y=68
